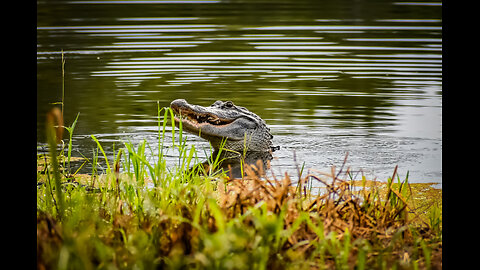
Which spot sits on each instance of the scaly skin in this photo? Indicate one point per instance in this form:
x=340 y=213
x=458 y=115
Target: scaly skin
x=241 y=127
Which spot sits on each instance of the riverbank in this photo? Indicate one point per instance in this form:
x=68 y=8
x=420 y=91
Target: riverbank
x=138 y=213
x=152 y=217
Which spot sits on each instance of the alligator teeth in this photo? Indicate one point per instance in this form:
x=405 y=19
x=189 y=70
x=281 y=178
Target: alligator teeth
x=214 y=120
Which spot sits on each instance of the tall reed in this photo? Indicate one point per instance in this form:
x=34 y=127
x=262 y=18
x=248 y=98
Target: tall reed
x=54 y=136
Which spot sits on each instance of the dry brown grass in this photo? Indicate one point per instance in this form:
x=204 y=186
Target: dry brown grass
x=380 y=216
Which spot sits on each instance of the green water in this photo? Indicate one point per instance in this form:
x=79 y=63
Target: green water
x=328 y=77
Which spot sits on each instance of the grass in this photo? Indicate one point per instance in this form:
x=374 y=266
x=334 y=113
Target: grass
x=143 y=214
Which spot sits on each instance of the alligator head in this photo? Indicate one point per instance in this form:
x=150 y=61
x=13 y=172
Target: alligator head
x=220 y=120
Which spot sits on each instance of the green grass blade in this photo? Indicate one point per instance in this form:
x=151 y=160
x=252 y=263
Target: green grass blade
x=70 y=133
x=103 y=152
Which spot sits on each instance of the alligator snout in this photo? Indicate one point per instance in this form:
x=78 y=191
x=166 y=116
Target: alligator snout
x=178 y=103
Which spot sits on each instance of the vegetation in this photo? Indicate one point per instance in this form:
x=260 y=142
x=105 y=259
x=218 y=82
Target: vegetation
x=141 y=214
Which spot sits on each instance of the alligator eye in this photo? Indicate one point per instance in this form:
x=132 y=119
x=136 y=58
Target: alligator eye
x=229 y=104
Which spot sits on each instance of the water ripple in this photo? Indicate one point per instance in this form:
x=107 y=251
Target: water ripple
x=328 y=78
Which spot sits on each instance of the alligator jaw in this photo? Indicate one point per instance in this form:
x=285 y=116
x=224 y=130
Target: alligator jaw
x=197 y=120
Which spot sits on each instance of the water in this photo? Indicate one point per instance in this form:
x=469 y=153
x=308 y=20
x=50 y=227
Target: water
x=328 y=77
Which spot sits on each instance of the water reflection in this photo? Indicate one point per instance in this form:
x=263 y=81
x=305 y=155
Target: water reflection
x=236 y=165
x=327 y=78
x=145 y=2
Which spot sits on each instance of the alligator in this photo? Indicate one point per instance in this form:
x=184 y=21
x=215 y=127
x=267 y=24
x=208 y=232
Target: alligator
x=241 y=134
x=242 y=129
